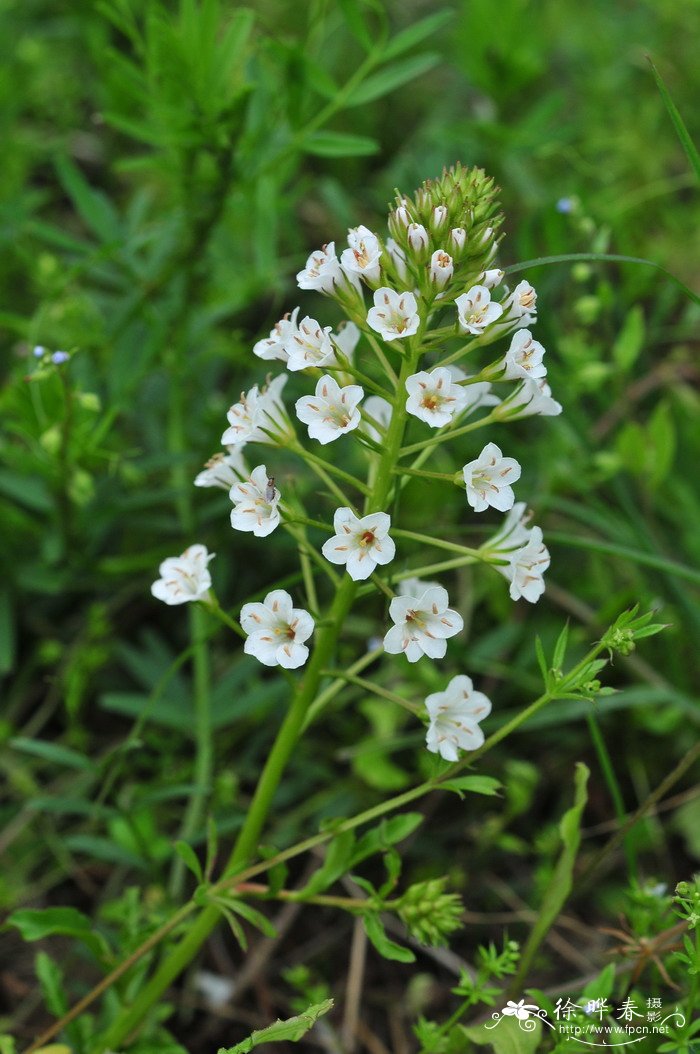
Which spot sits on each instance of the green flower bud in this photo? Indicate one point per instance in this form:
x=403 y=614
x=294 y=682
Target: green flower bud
x=429 y=913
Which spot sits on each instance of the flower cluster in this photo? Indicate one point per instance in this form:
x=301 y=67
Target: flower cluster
x=421 y=299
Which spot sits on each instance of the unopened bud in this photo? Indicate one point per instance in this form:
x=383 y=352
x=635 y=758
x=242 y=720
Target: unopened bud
x=439 y=219
x=418 y=241
x=457 y=240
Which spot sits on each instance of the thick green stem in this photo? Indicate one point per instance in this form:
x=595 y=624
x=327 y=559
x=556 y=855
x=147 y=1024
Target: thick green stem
x=283 y=747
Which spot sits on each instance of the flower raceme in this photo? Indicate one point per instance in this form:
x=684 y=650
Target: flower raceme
x=414 y=305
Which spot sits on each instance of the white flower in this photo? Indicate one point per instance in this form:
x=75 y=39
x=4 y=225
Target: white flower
x=489 y=478
x=259 y=412
x=377 y=412
x=476 y=310
x=423 y=624
x=332 y=412
x=273 y=347
x=362 y=256
x=532 y=397
x=398 y=258
x=491 y=278
x=222 y=470
x=477 y=394
x=277 y=631
x=417 y=237
x=527 y=566
x=346 y=339
x=513 y=534
x=255 y=502
x=184 y=578
x=414 y=587
x=524 y=357
x=441 y=268
x=394 y=315
x=522 y=304
x=434 y=397
x=360 y=542
x=454 y=718
x=322 y=271
x=309 y=345
x=458 y=239
x=401 y=216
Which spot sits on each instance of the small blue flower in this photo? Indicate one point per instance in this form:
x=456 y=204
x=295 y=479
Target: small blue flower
x=59 y=357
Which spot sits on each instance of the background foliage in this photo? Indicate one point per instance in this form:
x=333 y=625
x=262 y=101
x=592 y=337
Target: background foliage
x=167 y=169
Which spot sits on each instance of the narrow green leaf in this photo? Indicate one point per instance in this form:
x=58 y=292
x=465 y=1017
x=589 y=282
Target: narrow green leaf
x=337 y=862
x=253 y=916
x=190 y=859
x=388 y=833
x=50 y=979
x=356 y=24
x=416 y=33
x=660 y=563
x=52 y=752
x=561 y=882
x=35 y=924
x=560 y=648
x=542 y=661
x=7 y=633
x=630 y=340
x=93 y=206
x=473 y=785
x=677 y=121
x=340 y=144
x=291 y=1030
x=546 y=261
x=385 y=946
x=392 y=77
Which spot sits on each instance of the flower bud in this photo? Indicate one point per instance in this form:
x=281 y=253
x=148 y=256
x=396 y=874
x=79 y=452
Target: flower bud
x=429 y=913
x=418 y=241
x=457 y=240
x=441 y=268
x=439 y=219
x=399 y=220
x=398 y=259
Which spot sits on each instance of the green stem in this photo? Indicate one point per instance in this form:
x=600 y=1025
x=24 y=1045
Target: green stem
x=443 y=437
x=615 y=792
x=203 y=766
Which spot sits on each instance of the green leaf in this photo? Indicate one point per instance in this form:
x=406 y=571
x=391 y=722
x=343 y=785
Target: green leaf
x=560 y=648
x=542 y=661
x=385 y=946
x=53 y=752
x=677 y=121
x=190 y=859
x=356 y=24
x=507 y=1037
x=630 y=340
x=392 y=77
x=388 y=833
x=34 y=924
x=94 y=207
x=340 y=144
x=416 y=33
x=561 y=882
x=338 y=860
x=51 y=980
x=253 y=916
x=291 y=1030
x=545 y=261
x=473 y=784
x=7 y=633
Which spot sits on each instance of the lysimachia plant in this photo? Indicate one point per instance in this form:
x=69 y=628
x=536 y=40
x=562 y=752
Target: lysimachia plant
x=415 y=358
